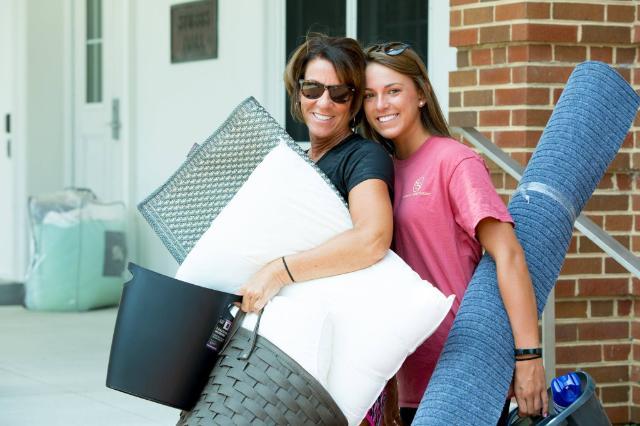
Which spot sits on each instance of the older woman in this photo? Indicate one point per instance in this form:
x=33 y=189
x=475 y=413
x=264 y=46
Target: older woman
x=325 y=79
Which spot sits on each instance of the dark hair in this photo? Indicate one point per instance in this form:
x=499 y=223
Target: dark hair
x=346 y=56
x=410 y=64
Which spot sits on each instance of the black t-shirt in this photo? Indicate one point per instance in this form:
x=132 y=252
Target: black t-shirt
x=355 y=160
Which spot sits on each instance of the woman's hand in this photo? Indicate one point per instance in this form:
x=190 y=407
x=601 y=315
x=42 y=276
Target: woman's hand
x=530 y=389
x=263 y=285
x=362 y=246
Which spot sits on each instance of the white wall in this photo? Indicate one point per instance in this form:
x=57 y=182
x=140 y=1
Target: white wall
x=45 y=97
x=442 y=58
x=176 y=105
x=38 y=122
x=7 y=192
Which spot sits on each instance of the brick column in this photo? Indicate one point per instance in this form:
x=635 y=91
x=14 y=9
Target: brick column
x=513 y=60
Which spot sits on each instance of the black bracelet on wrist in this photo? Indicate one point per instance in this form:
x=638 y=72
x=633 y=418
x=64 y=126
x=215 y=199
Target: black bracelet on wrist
x=287 y=269
x=528 y=351
x=528 y=359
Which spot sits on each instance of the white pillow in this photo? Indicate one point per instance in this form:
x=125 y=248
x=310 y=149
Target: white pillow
x=303 y=332
x=284 y=207
x=379 y=314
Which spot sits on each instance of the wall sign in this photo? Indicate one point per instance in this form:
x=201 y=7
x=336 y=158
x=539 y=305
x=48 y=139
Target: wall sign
x=194 y=31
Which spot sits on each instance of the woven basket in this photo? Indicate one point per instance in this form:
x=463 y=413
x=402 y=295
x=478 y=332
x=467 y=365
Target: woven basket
x=255 y=383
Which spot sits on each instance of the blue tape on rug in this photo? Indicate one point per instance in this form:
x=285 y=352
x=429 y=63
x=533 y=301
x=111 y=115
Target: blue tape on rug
x=583 y=135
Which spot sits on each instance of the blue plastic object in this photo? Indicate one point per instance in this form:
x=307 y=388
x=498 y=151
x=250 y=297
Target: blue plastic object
x=565 y=390
x=586 y=410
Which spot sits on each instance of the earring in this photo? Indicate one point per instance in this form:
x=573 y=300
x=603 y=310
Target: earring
x=421 y=104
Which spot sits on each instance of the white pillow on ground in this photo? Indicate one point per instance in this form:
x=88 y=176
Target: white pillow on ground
x=379 y=314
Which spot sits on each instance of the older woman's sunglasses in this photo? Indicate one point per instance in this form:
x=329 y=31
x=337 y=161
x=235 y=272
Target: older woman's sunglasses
x=339 y=93
x=393 y=48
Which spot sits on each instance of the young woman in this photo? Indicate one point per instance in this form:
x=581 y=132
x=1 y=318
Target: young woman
x=446 y=212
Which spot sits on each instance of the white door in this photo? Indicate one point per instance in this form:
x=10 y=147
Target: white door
x=7 y=179
x=99 y=57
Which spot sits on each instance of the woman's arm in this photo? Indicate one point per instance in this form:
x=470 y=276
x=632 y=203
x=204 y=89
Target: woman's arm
x=362 y=246
x=499 y=240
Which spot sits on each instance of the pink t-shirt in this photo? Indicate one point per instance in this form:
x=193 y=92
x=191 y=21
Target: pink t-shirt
x=442 y=192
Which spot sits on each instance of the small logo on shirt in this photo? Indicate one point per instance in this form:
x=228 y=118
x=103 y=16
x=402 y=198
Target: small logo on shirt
x=417 y=186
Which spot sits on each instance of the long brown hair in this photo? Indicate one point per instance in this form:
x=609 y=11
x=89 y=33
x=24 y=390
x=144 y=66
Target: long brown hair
x=410 y=64
x=346 y=56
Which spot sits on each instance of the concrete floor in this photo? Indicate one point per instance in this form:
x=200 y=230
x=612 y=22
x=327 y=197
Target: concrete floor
x=53 y=370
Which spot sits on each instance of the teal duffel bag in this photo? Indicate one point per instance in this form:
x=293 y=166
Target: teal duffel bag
x=78 y=253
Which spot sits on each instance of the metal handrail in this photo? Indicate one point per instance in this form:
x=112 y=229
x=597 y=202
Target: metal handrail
x=601 y=238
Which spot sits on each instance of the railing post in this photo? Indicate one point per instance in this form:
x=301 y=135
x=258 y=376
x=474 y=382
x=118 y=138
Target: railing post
x=549 y=337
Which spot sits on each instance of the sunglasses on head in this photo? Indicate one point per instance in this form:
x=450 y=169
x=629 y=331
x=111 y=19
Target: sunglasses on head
x=393 y=48
x=339 y=93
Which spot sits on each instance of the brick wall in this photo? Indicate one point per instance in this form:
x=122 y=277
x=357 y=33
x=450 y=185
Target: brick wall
x=513 y=60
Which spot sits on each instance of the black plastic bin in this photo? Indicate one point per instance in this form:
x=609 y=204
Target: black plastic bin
x=585 y=411
x=159 y=347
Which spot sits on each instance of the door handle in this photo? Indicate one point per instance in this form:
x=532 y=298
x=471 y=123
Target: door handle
x=7 y=129
x=115 y=123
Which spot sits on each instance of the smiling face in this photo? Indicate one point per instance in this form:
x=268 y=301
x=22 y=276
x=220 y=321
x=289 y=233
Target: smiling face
x=325 y=118
x=392 y=103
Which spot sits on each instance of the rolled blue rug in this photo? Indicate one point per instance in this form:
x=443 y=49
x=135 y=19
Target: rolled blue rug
x=583 y=135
